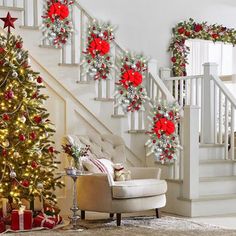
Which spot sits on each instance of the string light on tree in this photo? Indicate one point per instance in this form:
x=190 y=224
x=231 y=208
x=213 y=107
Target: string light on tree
x=24 y=139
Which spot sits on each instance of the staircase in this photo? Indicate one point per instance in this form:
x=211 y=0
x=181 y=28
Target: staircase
x=202 y=180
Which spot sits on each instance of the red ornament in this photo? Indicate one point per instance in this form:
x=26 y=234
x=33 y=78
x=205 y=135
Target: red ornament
x=197 y=28
x=22 y=137
x=40 y=80
x=2 y=50
x=33 y=135
x=8 y=21
x=51 y=149
x=9 y=94
x=35 y=95
x=215 y=36
x=34 y=164
x=173 y=59
x=37 y=119
x=58 y=10
x=25 y=183
x=187 y=33
x=133 y=77
x=6 y=117
x=19 y=45
x=4 y=152
x=181 y=30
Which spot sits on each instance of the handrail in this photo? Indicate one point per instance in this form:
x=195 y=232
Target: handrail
x=224 y=90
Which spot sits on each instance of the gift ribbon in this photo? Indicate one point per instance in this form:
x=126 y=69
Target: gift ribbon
x=21 y=217
x=45 y=218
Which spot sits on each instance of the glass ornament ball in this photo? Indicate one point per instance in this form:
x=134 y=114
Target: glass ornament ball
x=13 y=174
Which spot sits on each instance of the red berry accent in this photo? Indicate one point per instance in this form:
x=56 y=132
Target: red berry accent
x=40 y=80
x=197 y=28
x=37 y=119
x=22 y=137
x=19 y=45
x=9 y=95
x=34 y=164
x=121 y=92
x=35 y=95
x=187 y=33
x=6 y=117
x=173 y=59
x=4 y=152
x=181 y=30
x=51 y=150
x=25 y=183
x=215 y=36
x=2 y=50
x=33 y=135
x=154 y=141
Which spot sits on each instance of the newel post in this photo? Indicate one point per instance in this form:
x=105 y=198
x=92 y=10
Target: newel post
x=166 y=73
x=191 y=152
x=207 y=104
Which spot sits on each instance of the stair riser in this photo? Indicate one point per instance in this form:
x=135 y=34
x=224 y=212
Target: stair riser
x=206 y=153
x=214 y=207
x=217 y=187
x=216 y=169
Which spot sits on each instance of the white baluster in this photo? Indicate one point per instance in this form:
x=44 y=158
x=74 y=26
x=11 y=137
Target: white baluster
x=232 y=144
x=64 y=54
x=116 y=79
x=140 y=120
x=108 y=88
x=181 y=102
x=81 y=34
x=26 y=11
x=226 y=137
x=215 y=112
x=14 y=3
x=191 y=95
x=220 y=118
x=35 y=12
x=187 y=93
x=132 y=121
x=99 y=89
x=73 y=49
x=176 y=90
x=197 y=91
x=166 y=73
x=4 y=3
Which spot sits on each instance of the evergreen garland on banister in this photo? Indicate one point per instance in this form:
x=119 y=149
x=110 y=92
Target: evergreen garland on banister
x=192 y=30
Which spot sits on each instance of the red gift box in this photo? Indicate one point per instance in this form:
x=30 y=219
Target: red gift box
x=21 y=220
x=42 y=220
x=2 y=227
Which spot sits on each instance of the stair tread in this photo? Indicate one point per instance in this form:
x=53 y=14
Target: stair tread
x=210 y=197
x=205 y=145
x=217 y=178
x=213 y=161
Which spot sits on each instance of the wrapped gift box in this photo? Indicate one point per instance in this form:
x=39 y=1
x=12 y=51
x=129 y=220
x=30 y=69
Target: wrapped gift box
x=21 y=219
x=42 y=220
x=2 y=226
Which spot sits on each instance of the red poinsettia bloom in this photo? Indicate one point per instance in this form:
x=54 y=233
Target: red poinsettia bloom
x=181 y=30
x=99 y=45
x=197 y=28
x=133 y=77
x=164 y=125
x=58 y=10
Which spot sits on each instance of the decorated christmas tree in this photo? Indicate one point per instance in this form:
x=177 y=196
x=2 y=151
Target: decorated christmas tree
x=27 y=155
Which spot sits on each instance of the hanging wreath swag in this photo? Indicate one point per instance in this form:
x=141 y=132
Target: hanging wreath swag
x=57 y=26
x=98 y=60
x=163 y=138
x=130 y=93
x=192 y=30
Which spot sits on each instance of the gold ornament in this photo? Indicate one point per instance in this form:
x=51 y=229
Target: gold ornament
x=6 y=143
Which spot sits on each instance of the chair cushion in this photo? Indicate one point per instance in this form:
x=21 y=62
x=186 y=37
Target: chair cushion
x=138 y=188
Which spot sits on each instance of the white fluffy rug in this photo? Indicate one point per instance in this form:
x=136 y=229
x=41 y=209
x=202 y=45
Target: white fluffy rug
x=140 y=226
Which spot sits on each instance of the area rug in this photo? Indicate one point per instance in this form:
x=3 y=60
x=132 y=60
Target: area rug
x=141 y=226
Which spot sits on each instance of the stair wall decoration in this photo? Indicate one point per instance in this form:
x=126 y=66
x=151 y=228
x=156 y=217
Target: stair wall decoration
x=57 y=26
x=164 y=138
x=131 y=94
x=192 y=30
x=97 y=55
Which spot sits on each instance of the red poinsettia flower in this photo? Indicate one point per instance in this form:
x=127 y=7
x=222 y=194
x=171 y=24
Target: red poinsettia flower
x=181 y=30
x=197 y=28
x=58 y=10
x=133 y=77
x=164 y=125
x=99 y=45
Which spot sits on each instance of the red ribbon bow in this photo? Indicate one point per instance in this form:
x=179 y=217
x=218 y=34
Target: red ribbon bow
x=164 y=125
x=99 y=45
x=58 y=9
x=133 y=77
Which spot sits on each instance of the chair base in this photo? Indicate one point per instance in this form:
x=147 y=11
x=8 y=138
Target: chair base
x=118 y=219
x=158 y=213
x=82 y=215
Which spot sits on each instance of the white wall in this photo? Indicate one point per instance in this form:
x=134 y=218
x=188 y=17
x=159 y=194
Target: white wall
x=145 y=25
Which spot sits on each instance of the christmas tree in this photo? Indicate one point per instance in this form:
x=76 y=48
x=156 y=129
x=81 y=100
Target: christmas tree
x=27 y=154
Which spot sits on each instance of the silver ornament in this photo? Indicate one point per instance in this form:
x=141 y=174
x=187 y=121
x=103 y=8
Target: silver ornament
x=133 y=66
x=6 y=143
x=13 y=174
x=40 y=186
x=101 y=35
x=14 y=74
x=23 y=119
x=16 y=154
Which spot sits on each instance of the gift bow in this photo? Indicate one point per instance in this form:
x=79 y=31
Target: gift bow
x=131 y=76
x=45 y=218
x=21 y=217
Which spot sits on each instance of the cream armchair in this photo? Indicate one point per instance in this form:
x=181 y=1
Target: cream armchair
x=100 y=193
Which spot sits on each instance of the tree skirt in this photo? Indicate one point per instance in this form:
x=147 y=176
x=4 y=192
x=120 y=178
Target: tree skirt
x=139 y=226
